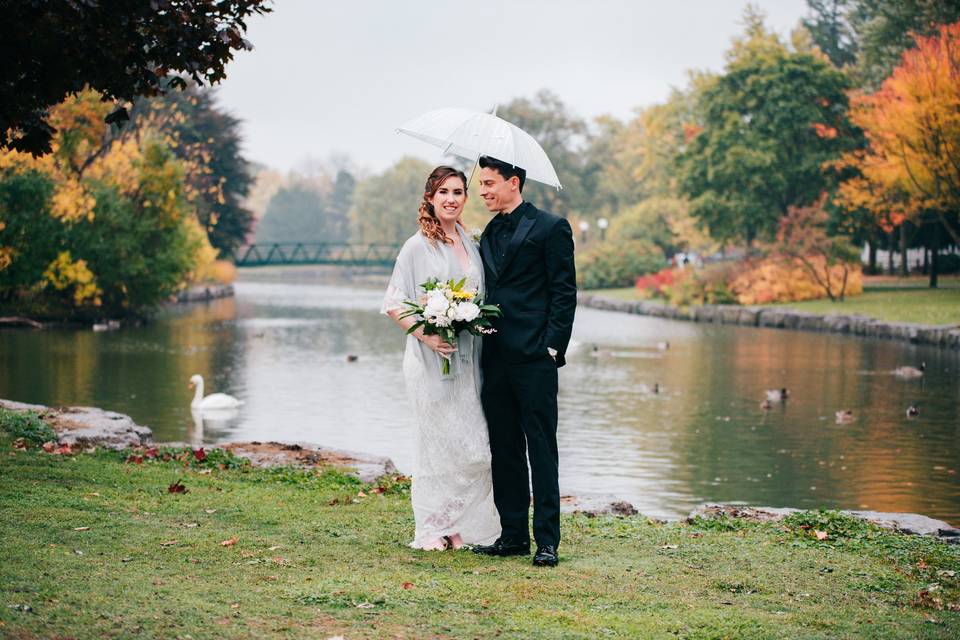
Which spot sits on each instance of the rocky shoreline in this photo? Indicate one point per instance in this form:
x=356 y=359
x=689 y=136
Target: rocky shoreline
x=85 y=427
x=943 y=336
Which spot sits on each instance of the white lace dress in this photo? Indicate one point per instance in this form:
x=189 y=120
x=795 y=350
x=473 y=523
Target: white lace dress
x=452 y=489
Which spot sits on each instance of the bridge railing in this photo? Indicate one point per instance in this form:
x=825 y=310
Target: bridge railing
x=335 y=253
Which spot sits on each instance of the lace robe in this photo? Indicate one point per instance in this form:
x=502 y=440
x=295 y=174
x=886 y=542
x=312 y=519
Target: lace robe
x=452 y=490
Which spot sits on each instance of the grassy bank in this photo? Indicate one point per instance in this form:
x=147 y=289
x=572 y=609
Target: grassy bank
x=884 y=298
x=96 y=547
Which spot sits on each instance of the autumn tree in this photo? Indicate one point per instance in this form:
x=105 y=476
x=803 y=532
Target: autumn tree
x=827 y=259
x=208 y=140
x=99 y=227
x=912 y=124
x=764 y=129
x=122 y=49
x=884 y=29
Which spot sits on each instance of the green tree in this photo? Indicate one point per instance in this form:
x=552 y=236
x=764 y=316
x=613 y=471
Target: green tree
x=384 y=208
x=122 y=49
x=767 y=125
x=829 y=26
x=562 y=136
x=296 y=213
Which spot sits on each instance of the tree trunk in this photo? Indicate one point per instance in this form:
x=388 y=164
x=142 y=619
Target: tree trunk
x=926 y=260
x=890 y=246
x=934 y=257
x=904 y=270
x=872 y=257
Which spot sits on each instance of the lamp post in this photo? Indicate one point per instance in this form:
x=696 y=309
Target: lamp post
x=602 y=224
x=584 y=226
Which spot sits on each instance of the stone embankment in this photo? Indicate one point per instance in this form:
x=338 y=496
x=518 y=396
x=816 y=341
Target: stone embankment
x=84 y=427
x=946 y=336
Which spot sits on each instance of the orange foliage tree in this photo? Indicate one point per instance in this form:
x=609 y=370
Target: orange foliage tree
x=912 y=124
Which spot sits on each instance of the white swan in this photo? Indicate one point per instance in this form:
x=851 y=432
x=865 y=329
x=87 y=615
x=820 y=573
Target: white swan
x=213 y=401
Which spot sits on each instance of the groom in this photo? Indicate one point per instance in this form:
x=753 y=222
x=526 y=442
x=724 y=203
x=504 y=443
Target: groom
x=528 y=264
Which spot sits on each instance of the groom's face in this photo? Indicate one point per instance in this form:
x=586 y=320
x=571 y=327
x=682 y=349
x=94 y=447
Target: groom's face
x=498 y=194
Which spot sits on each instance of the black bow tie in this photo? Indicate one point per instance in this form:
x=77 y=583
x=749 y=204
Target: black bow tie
x=507 y=220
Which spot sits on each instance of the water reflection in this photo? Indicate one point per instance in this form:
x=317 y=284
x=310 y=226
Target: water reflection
x=282 y=347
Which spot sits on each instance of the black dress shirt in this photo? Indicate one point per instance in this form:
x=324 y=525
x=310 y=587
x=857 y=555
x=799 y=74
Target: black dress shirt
x=502 y=227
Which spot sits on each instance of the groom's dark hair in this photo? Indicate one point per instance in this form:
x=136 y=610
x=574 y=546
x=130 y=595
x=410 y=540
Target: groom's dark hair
x=505 y=169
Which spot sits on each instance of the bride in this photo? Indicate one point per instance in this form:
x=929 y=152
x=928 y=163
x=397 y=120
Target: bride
x=452 y=491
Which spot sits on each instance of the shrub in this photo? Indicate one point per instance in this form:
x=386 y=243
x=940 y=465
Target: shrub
x=777 y=279
x=618 y=264
x=27 y=425
x=689 y=286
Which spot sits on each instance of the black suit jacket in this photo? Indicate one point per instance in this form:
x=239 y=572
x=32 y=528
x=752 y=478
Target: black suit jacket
x=536 y=288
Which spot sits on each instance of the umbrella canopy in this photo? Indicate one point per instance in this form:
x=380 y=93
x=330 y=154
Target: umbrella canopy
x=471 y=134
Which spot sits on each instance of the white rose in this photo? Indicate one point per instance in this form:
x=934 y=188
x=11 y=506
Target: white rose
x=467 y=311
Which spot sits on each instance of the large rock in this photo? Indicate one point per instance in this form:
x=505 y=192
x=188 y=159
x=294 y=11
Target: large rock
x=908 y=523
x=305 y=454
x=597 y=505
x=89 y=426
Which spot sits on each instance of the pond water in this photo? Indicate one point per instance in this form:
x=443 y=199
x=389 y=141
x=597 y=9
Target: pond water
x=281 y=345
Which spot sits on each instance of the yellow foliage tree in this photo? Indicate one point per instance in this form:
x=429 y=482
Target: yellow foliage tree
x=912 y=125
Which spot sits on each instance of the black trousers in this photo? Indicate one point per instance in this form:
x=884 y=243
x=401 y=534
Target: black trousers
x=520 y=403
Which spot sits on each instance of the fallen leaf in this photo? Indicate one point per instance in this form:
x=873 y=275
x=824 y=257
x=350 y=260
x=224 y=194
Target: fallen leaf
x=407 y=585
x=93 y=493
x=361 y=494
x=945 y=573
x=229 y=542
x=126 y=559
x=81 y=528
x=20 y=443
x=235 y=605
x=821 y=535
x=177 y=487
x=78 y=552
x=134 y=459
x=669 y=546
x=200 y=454
x=274 y=547
x=151 y=453
x=365 y=605
x=377 y=490
x=168 y=543
x=48 y=446
x=210 y=510
x=64 y=450
x=205 y=472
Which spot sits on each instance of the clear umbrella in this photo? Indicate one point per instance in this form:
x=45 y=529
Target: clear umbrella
x=471 y=134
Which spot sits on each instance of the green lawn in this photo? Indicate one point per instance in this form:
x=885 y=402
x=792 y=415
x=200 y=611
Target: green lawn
x=884 y=298
x=92 y=547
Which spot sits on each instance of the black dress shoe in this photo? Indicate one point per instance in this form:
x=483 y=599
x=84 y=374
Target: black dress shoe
x=546 y=556
x=504 y=547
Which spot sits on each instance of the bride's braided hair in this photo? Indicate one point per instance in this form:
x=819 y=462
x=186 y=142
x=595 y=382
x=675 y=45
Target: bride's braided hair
x=429 y=224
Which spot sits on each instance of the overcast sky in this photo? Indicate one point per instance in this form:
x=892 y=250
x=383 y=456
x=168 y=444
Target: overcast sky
x=329 y=77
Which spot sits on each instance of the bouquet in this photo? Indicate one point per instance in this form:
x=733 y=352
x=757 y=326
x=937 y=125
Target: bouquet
x=446 y=309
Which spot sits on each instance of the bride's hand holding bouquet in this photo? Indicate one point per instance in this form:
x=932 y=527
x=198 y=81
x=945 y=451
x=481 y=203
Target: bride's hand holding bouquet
x=446 y=309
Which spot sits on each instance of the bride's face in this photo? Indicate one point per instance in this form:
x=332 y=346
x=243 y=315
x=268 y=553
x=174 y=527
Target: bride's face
x=449 y=199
